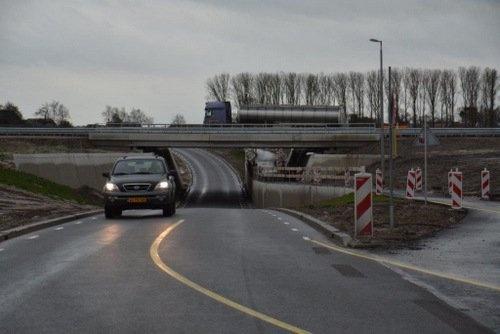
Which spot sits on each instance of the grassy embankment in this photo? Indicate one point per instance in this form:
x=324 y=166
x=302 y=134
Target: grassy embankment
x=38 y=185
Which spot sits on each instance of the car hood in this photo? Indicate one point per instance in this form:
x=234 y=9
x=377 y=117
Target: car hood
x=138 y=178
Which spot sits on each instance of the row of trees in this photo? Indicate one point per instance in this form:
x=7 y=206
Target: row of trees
x=468 y=92
x=120 y=115
x=50 y=113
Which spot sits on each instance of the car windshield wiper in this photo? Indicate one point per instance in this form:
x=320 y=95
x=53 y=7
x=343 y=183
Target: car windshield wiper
x=143 y=173
x=121 y=174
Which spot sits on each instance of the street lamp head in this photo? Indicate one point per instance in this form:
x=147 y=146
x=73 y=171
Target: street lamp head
x=374 y=40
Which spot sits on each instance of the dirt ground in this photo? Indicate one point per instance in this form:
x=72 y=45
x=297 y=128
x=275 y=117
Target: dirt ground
x=234 y=156
x=18 y=207
x=470 y=155
x=414 y=222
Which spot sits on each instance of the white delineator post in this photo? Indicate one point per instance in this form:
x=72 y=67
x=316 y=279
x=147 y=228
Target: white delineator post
x=410 y=184
x=456 y=192
x=379 y=182
x=418 y=173
x=485 y=184
x=363 y=215
x=449 y=181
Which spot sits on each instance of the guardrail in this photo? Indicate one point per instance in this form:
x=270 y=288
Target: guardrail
x=308 y=175
x=82 y=132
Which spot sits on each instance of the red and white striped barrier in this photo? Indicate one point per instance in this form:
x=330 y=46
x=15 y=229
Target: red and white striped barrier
x=410 y=184
x=449 y=181
x=456 y=192
x=418 y=173
x=363 y=216
x=485 y=184
x=379 y=182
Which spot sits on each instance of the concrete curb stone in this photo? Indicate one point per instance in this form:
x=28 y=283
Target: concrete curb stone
x=25 y=229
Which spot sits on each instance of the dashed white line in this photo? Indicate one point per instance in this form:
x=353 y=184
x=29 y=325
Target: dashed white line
x=286 y=223
x=279 y=218
x=306 y=238
x=294 y=229
x=59 y=228
x=94 y=218
x=2 y=249
x=78 y=222
x=33 y=237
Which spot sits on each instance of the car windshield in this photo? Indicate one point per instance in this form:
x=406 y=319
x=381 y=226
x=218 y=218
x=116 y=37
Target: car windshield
x=138 y=166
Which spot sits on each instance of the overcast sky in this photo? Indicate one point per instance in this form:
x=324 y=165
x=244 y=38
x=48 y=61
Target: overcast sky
x=157 y=55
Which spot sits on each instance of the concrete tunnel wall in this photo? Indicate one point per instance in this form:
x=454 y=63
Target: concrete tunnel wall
x=71 y=169
x=288 y=195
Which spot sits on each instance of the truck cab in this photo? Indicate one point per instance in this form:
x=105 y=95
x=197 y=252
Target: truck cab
x=217 y=112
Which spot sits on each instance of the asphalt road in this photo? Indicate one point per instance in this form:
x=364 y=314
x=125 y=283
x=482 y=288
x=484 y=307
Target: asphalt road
x=212 y=268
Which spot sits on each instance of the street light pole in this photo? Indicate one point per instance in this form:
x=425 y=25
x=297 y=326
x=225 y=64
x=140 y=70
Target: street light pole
x=391 y=143
x=381 y=97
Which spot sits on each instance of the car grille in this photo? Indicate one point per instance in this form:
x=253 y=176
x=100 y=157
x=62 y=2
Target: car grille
x=136 y=186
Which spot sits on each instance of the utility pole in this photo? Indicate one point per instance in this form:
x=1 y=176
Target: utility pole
x=391 y=143
x=425 y=159
x=381 y=97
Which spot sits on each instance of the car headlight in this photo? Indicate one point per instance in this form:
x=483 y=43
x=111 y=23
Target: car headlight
x=163 y=185
x=110 y=187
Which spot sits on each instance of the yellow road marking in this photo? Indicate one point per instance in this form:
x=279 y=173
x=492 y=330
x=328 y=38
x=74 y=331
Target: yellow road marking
x=408 y=266
x=153 y=252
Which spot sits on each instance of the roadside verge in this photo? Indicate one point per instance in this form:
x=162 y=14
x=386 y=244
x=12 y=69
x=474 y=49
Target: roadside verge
x=25 y=229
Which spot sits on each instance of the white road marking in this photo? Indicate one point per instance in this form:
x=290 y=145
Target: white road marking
x=306 y=238
x=94 y=218
x=59 y=228
x=78 y=222
x=294 y=229
x=279 y=218
x=33 y=237
x=2 y=249
x=286 y=223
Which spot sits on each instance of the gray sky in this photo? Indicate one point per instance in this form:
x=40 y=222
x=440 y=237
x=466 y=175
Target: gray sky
x=156 y=55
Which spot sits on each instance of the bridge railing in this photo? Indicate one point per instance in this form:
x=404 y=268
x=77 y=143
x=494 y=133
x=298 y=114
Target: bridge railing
x=338 y=176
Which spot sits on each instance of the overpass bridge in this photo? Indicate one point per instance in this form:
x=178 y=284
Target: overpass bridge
x=235 y=135
x=193 y=135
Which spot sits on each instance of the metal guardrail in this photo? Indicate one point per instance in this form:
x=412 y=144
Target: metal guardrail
x=191 y=129
x=308 y=175
x=82 y=132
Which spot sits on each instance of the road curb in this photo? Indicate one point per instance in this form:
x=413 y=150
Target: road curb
x=321 y=226
x=25 y=229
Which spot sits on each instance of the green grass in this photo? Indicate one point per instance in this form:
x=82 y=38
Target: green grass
x=348 y=199
x=40 y=186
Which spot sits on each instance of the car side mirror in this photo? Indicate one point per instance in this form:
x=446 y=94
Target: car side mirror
x=106 y=175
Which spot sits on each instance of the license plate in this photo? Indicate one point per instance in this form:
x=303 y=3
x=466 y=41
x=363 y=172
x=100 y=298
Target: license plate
x=137 y=200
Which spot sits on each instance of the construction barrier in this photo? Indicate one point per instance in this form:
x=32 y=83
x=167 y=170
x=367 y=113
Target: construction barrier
x=410 y=184
x=449 y=181
x=456 y=193
x=418 y=181
x=363 y=215
x=379 y=182
x=485 y=184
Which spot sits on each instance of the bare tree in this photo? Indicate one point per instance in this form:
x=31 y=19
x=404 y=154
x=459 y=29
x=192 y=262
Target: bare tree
x=373 y=93
x=431 y=80
x=469 y=82
x=292 y=84
x=54 y=110
x=242 y=89
x=341 y=84
x=218 y=87
x=414 y=81
x=311 y=89
x=138 y=116
x=488 y=95
x=275 y=89
x=326 y=91
x=178 y=119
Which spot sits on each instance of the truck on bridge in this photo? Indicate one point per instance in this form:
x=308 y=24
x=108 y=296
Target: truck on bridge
x=221 y=113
